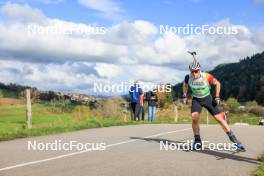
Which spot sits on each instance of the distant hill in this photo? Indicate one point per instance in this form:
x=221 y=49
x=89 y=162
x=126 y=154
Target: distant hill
x=16 y=91
x=243 y=80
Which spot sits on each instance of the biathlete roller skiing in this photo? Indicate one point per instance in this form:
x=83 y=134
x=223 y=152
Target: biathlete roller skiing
x=199 y=83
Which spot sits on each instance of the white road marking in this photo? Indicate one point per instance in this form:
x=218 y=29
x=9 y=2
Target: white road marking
x=80 y=152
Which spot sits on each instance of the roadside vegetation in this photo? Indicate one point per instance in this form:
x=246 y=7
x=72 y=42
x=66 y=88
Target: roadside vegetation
x=50 y=118
x=260 y=171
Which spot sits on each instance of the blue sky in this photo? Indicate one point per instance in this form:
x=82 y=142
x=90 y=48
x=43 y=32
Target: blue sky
x=171 y=12
x=131 y=47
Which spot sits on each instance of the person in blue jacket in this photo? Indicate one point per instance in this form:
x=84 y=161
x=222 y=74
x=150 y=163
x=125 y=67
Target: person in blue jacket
x=136 y=100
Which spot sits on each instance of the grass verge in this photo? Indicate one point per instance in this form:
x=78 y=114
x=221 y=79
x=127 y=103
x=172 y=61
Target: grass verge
x=260 y=171
x=50 y=119
x=20 y=131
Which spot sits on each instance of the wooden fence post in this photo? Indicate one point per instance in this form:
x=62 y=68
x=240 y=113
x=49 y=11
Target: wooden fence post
x=176 y=111
x=29 y=110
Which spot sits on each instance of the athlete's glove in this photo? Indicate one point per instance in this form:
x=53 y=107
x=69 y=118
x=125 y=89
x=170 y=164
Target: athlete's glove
x=217 y=100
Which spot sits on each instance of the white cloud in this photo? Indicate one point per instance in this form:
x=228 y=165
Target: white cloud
x=59 y=77
x=131 y=33
x=18 y=42
x=108 y=9
x=109 y=71
x=154 y=74
x=81 y=76
x=22 y=13
x=259 y=36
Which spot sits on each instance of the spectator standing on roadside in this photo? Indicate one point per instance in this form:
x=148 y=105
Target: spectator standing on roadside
x=136 y=100
x=152 y=99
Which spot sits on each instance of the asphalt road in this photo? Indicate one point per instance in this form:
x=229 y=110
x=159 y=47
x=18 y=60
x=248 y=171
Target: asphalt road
x=135 y=151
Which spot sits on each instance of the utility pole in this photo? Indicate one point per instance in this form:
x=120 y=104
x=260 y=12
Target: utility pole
x=29 y=110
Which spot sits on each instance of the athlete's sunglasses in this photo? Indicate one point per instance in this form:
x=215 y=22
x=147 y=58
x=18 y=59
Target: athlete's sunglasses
x=195 y=71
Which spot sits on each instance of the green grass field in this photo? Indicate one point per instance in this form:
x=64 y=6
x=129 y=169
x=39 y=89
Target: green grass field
x=50 y=119
x=47 y=119
x=12 y=120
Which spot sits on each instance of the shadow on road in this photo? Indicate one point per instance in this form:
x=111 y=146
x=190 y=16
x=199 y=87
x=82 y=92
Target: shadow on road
x=218 y=154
